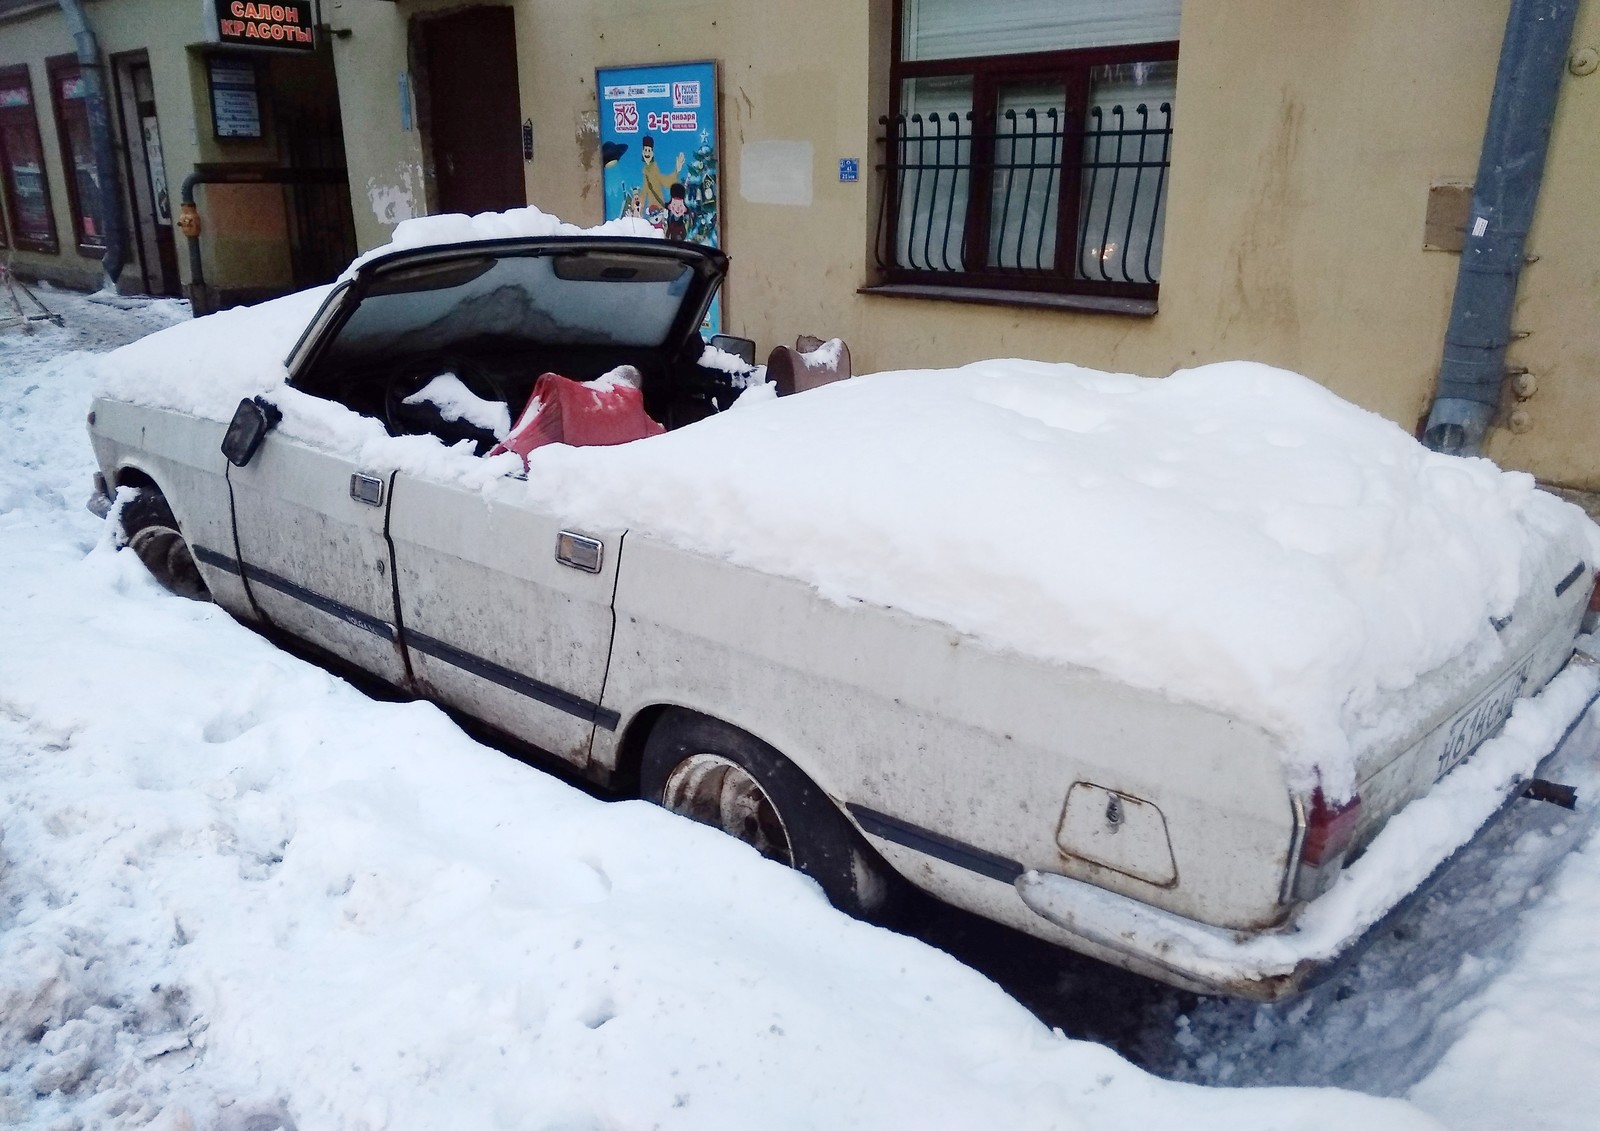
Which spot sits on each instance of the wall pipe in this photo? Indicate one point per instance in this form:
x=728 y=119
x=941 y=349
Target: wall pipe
x=105 y=153
x=1527 y=85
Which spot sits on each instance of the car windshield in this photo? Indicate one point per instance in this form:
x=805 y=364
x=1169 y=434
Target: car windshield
x=580 y=298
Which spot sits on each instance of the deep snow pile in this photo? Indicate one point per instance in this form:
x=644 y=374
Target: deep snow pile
x=1537 y=1027
x=1233 y=535
x=235 y=893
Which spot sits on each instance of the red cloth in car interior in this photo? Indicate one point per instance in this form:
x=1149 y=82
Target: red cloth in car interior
x=564 y=411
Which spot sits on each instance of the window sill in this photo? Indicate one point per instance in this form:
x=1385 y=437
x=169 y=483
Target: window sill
x=1046 y=300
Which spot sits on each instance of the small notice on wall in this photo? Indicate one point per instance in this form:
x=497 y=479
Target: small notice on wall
x=284 y=27
x=235 y=102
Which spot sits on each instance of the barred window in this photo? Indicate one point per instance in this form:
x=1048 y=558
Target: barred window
x=69 y=92
x=1028 y=144
x=22 y=173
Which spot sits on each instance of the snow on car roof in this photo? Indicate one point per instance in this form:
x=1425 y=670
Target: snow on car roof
x=1234 y=535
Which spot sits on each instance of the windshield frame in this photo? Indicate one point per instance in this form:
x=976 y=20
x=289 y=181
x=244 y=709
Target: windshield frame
x=709 y=267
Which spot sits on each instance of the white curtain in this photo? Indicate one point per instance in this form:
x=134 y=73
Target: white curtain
x=1123 y=199
x=949 y=29
x=935 y=159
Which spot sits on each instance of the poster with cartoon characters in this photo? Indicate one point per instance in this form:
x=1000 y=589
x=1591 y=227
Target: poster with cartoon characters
x=659 y=151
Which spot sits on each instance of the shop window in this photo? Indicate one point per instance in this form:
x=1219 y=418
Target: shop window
x=69 y=92
x=1027 y=145
x=22 y=176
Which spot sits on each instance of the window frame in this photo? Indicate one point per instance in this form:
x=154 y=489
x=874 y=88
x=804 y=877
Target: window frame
x=30 y=115
x=989 y=73
x=58 y=67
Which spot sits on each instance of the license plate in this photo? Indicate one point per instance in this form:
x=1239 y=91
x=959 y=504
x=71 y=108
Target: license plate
x=1481 y=719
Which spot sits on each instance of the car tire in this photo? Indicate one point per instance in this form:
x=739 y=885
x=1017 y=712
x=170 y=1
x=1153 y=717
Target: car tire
x=151 y=532
x=718 y=775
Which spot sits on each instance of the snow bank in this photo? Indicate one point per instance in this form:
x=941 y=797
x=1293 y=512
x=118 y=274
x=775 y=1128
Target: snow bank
x=235 y=893
x=1234 y=535
x=1526 y=1051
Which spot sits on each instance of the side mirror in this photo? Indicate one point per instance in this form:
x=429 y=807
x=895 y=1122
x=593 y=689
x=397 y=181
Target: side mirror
x=742 y=348
x=252 y=420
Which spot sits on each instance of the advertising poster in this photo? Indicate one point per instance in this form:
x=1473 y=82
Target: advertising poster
x=660 y=158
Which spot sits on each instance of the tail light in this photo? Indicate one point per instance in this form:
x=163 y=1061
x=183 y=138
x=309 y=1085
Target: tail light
x=1329 y=829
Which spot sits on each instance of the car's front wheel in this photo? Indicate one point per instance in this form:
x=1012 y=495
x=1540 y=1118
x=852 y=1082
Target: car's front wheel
x=152 y=533
x=703 y=769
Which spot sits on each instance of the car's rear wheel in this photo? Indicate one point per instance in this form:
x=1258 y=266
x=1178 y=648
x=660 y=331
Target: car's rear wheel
x=718 y=775
x=152 y=533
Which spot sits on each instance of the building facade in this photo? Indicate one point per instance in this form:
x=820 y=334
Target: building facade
x=262 y=126
x=1138 y=186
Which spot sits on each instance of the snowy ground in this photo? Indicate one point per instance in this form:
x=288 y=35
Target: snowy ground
x=236 y=893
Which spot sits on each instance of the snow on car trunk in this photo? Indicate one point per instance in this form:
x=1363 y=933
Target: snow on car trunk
x=1233 y=536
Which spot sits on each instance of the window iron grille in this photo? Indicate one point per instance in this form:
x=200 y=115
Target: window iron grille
x=963 y=206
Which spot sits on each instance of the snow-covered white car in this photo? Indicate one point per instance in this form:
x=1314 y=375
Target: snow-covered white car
x=1144 y=668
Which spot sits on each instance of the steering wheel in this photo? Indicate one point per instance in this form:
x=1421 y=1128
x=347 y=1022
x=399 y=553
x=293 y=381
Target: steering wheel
x=412 y=374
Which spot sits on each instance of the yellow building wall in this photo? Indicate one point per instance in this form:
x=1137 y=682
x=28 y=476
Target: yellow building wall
x=384 y=157
x=1307 y=138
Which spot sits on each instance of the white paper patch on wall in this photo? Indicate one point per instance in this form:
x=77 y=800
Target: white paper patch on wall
x=394 y=202
x=776 y=172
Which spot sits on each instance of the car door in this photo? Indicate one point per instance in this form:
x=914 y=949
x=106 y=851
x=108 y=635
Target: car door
x=478 y=611
x=309 y=525
x=506 y=608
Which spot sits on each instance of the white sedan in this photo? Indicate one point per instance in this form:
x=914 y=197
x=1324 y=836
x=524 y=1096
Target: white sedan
x=1144 y=668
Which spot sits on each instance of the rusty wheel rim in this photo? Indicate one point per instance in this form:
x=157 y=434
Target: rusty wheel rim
x=166 y=555
x=717 y=791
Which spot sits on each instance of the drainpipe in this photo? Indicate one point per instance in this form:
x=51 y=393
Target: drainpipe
x=105 y=155
x=1510 y=170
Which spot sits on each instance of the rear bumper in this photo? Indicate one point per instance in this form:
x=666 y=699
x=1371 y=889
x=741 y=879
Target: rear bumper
x=1398 y=868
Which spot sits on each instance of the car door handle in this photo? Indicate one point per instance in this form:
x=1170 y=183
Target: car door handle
x=579 y=551
x=366 y=489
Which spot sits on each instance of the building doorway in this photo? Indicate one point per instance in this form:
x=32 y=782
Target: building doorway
x=309 y=127
x=145 y=173
x=471 y=109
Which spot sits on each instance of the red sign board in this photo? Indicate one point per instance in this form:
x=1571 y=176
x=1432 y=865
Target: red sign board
x=288 y=26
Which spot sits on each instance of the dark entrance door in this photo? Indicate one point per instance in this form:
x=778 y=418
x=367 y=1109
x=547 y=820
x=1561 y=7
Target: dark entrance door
x=469 y=60
x=146 y=174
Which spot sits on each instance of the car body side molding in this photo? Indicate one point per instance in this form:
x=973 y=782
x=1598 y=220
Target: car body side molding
x=936 y=845
x=1566 y=582
x=477 y=665
x=356 y=617
x=515 y=681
